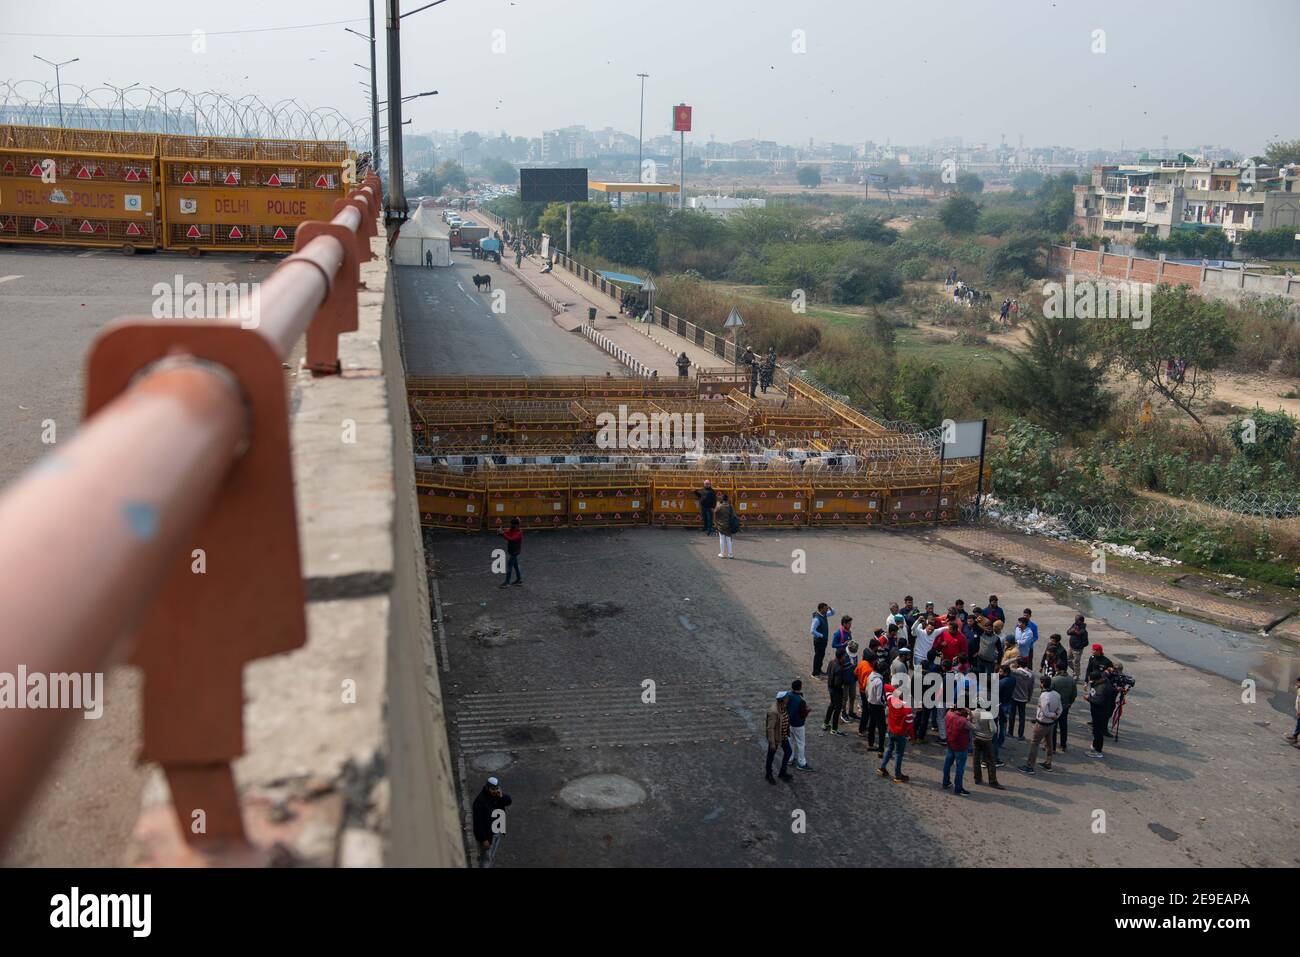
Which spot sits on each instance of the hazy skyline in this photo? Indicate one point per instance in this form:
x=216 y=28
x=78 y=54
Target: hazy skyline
x=907 y=73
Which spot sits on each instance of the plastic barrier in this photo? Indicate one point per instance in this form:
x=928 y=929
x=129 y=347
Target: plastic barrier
x=846 y=503
x=618 y=502
x=714 y=385
x=538 y=501
x=674 y=504
x=449 y=502
x=766 y=501
x=912 y=504
x=220 y=193
x=79 y=188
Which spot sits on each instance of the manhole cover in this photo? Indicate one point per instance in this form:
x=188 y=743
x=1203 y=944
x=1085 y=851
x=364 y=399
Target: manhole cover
x=602 y=792
x=492 y=762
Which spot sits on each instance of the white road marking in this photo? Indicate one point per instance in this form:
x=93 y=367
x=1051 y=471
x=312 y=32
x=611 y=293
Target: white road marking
x=9 y=278
x=87 y=255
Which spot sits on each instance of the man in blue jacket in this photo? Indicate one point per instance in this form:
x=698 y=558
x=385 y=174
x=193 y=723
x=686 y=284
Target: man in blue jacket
x=821 y=634
x=797 y=709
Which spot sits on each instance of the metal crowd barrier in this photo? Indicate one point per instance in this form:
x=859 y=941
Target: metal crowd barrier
x=185 y=447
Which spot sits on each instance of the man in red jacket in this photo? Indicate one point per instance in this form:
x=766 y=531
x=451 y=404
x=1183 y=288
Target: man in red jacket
x=898 y=719
x=951 y=642
x=959 y=728
x=514 y=536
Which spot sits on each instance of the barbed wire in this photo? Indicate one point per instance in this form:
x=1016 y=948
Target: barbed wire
x=150 y=110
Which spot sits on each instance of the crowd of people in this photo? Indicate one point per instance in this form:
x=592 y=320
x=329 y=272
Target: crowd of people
x=983 y=674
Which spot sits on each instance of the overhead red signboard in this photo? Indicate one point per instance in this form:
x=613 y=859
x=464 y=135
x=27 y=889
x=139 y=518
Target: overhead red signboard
x=681 y=118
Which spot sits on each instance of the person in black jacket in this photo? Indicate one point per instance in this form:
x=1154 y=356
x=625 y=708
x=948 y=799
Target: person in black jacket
x=708 y=500
x=490 y=800
x=836 y=681
x=1101 y=702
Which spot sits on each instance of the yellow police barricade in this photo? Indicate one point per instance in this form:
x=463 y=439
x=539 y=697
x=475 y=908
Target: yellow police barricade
x=770 y=502
x=78 y=187
x=914 y=504
x=617 y=502
x=450 y=501
x=674 y=504
x=715 y=385
x=845 y=502
x=538 y=501
x=221 y=193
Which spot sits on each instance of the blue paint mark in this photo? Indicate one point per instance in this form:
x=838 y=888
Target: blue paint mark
x=51 y=465
x=143 y=519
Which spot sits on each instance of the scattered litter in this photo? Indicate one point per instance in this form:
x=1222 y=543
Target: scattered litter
x=1035 y=522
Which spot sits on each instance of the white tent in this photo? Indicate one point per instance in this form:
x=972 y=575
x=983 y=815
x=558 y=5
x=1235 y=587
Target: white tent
x=420 y=236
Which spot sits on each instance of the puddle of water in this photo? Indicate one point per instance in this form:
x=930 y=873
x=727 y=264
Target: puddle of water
x=1273 y=663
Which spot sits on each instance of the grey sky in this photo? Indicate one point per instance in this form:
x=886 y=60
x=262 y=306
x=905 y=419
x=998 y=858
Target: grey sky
x=1199 y=71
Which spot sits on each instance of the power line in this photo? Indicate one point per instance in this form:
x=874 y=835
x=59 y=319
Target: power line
x=175 y=36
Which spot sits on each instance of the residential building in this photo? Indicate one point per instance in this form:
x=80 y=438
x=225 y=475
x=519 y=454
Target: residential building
x=1155 y=197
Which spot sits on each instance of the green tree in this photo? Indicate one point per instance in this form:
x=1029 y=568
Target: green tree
x=1176 y=355
x=1281 y=152
x=1022 y=253
x=499 y=171
x=1263 y=436
x=1056 y=379
x=959 y=214
x=929 y=180
x=1054 y=202
x=1028 y=180
x=584 y=216
x=861 y=223
x=970 y=184
x=754 y=227
x=446 y=174
x=809 y=176
x=624 y=239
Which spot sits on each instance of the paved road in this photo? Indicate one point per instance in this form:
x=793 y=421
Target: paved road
x=52 y=303
x=546 y=685
x=449 y=329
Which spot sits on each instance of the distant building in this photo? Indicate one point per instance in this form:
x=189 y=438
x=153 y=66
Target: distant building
x=724 y=206
x=1155 y=197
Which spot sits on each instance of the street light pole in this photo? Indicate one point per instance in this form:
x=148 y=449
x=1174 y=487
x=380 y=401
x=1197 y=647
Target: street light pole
x=374 y=90
x=640 y=136
x=121 y=96
x=396 y=188
x=58 y=83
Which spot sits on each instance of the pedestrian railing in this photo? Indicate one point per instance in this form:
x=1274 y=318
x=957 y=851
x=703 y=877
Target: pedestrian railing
x=623 y=357
x=165 y=531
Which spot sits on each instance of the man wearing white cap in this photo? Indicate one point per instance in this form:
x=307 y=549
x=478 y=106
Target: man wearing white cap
x=778 y=734
x=489 y=814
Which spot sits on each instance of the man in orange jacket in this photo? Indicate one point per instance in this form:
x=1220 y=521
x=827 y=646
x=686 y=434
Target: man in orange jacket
x=862 y=672
x=898 y=720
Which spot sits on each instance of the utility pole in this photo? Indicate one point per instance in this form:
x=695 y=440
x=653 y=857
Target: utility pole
x=396 y=188
x=640 y=136
x=58 y=83
x=374 y=97
x=121 y=92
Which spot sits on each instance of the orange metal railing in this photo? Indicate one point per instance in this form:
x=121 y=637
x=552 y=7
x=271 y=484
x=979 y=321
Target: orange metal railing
x=184 y=452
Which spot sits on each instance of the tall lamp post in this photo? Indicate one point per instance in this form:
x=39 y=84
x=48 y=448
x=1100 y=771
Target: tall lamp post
x=374 y=92
x=58 y=84
x=121 y=92
x=640 y=135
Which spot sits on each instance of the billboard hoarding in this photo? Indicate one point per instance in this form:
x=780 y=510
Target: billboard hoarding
x=553 y=185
